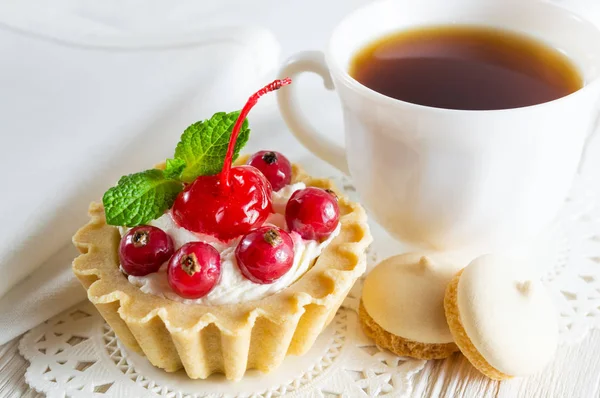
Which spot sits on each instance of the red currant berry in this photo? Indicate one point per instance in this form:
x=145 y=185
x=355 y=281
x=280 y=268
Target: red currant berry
x=202 y=207
x=274 y=166
x=194 y=270
x=265 y=254
x=144 y=249
x=313 y=213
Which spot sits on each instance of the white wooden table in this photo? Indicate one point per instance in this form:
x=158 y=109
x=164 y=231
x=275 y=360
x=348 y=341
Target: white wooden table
x=12 y=373
x=575 y=371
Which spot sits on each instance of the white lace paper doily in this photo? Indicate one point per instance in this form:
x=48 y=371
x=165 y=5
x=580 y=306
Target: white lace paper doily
x=76 y=354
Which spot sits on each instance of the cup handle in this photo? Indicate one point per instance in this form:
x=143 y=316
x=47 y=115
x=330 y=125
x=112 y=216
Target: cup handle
x=316 y=142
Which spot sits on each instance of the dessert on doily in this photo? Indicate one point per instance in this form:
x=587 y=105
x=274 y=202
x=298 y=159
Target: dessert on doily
x=211 y=267
x=426 y=306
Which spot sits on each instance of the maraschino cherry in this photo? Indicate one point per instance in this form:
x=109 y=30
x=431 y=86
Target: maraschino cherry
x=265 y=254
x=313 y=213
x=194 y=270
x=144 y=249
x=276 y=167
x=232 y=202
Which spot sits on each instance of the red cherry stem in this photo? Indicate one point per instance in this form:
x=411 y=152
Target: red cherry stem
x=275 y=85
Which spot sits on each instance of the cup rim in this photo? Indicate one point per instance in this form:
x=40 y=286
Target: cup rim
x=360 y=88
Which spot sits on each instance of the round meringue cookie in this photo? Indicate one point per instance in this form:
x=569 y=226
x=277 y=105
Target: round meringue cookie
x=402 y=306
x=505 y=326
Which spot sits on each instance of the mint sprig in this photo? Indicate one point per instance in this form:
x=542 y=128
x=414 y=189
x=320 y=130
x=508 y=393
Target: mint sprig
x=142 y=197
x=139 y=198
x=174 y=168
x=203 y=145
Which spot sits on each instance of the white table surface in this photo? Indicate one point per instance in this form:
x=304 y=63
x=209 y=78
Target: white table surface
x=575 y=371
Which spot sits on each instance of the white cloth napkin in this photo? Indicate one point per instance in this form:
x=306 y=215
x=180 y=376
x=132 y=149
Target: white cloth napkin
x=85 y=99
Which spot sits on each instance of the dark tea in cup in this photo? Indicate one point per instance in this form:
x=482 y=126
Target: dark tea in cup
x=465 y=67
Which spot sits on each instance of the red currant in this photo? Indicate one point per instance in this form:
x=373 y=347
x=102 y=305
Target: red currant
x=276 y=167
x=202 y=207
x=265 y=254
x=234 y=201
x=194 y=270
x=313 y=213
x=144 y=249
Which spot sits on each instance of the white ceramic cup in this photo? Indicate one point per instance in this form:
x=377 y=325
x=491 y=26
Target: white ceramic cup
x=452 y=179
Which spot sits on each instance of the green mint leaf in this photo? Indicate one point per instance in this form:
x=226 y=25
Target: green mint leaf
x=139 y=198
x=203 y=145
x=174 y=168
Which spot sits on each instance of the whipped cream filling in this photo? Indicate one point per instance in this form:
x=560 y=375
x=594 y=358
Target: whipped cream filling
x=233 y=287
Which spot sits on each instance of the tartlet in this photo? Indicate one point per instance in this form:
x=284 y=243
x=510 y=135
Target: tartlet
x=231 y=338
